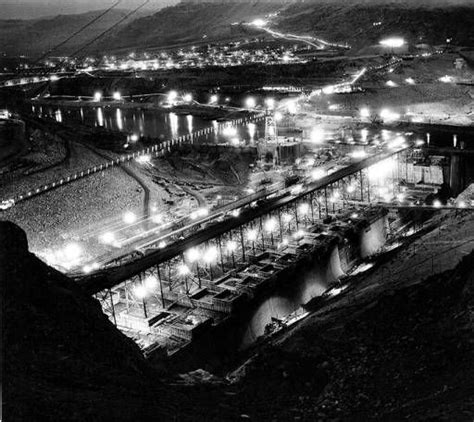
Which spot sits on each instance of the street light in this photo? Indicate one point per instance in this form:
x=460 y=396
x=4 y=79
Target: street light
x=446 y=79
x=193 y=255
x=364 y=113
x=317 y=174
x=183 y=270
x=97 y=96
x=252 y=236
x=142 y=159
x=140 y=291
x=129 y=217
x=292 y=107
x=157 y=218
x=270 y=103
x=231 y=247
x=270 y=226
x=172 y=95
x=229 y=131
x=259 y=23
x=317 y=135
x=389 y=116
x=107 y=238
x=393 y=42
x=304 y=209
x=150 y=283
x=210 y=256
x=214 y=99
x=117 y=96
x=72 y=251
x=358 y=154
x=250 y=102
x=328 y=90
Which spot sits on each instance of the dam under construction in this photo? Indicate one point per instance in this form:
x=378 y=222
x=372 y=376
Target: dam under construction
x=232 y=299
x=224 y=282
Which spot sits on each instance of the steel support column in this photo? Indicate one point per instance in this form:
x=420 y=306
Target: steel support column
x=161 y=285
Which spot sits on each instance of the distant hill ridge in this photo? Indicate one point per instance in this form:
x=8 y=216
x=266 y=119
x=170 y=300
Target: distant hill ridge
x=345 y=21
x=32 y=37
x=415 y=3
x=193 y=21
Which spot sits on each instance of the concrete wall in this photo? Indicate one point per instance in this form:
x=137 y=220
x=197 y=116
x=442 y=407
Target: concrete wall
x=312 y=281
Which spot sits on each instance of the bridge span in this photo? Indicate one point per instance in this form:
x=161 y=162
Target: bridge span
x=211 y=227
x=159 y=149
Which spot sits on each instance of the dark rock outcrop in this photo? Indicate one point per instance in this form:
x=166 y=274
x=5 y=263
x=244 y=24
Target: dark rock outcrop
x=54 y=336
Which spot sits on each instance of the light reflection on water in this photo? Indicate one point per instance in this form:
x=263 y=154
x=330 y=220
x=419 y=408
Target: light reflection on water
x=148 y=123
x=174 y=124
x=119 y=119
x=100 y=117
x=252 y=130
x=161 y=125
x=189 y=118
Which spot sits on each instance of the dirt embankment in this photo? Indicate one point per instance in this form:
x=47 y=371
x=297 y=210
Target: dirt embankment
x=414 y=89
x=206 y=170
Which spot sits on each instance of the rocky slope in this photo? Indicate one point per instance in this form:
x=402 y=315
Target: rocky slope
x=364 y=24
x=187 y=23
x=57 y=342
x=351 y=22
x=36 y=36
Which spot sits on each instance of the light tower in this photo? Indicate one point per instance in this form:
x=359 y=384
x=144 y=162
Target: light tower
x=270 y=127
x=271 y=135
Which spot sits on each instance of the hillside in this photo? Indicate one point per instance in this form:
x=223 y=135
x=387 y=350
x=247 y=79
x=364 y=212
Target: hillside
x=186 y=23
x=354 y=23
x=36 y=36
x=349 y=21
x=54 y=336
x=32 y=9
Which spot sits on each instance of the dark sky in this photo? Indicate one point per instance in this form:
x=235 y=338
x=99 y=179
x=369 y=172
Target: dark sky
x=27 y=9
